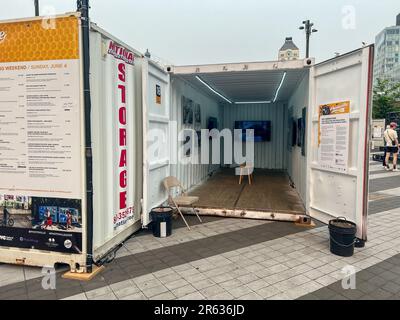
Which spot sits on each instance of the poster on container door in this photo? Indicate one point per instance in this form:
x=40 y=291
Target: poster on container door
x=333 y=136
x=123 y=142
x=41 y=135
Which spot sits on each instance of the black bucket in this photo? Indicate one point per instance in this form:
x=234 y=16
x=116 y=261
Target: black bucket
x=342 y=237
x=162 y=221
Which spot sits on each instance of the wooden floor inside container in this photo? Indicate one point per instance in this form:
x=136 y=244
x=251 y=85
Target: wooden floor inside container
x=269 y=191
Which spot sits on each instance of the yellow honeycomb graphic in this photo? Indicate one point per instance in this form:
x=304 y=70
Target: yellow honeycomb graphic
x=35 y=41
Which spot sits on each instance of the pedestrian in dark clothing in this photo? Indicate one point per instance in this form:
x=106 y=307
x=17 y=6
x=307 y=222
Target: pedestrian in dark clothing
x=6 y=214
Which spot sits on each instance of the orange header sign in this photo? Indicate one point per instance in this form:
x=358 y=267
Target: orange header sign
x=334 y=108
x=39 y=40
x=331 y=109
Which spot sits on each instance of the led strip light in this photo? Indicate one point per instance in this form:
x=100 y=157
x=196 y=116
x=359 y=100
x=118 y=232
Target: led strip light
x=213 y=90
x=244 y=102
x=280 y=86
x=253 y=102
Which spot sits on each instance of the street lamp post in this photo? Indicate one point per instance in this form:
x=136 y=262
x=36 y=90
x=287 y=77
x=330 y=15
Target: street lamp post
x=83 y=8
x=36 y=8
x=308 y=27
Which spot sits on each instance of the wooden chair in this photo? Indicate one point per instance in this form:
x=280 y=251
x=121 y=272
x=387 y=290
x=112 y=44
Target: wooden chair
x=182 y=200
x=246 y=169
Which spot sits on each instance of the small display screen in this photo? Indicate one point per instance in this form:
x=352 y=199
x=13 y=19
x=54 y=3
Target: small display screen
x=262 y=130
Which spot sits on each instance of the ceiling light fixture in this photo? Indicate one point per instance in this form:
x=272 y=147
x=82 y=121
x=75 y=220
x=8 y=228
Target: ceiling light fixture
x=280 y=86
x=253 y=102
x=213 y=90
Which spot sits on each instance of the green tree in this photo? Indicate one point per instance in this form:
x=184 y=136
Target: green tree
x=386 y=98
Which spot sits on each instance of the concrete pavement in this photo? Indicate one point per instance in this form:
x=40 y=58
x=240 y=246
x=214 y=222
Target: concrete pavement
x=239 y=259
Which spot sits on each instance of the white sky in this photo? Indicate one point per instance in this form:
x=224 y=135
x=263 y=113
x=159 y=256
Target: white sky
x=217 y=31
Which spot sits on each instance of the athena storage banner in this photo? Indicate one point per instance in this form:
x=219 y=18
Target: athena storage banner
x=41 y=135
x=122 y=109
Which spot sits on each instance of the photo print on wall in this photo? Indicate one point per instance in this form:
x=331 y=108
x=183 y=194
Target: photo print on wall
x=197 y=114
x=303 y=131
x=187 y=111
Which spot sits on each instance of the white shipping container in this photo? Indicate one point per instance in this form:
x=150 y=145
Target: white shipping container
x=109 y=151
x=116 y=144
x=137 y=105
x=329 y=168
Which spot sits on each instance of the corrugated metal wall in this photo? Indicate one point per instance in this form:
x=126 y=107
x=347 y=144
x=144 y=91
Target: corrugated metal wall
x=191 y=174
x=268 y=155
x=297 y=163
x=157 y=120
x=106 y=99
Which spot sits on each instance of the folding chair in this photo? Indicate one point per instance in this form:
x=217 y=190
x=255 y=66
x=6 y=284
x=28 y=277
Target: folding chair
x=182 y=199
x=246 y=169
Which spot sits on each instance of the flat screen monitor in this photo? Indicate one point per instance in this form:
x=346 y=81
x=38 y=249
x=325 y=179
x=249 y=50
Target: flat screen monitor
x=262 y=130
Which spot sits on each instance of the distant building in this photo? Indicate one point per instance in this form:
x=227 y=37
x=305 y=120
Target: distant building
x=387 y=53
x=289 y=50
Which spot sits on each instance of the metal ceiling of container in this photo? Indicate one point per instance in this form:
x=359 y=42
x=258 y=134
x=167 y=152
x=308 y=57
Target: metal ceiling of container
x=249 y=82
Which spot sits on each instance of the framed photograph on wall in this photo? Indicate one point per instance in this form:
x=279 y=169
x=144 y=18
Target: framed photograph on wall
x=289 y=130
x=303 y=131
x=197 y=114
x=187 y=111
x=299 y=131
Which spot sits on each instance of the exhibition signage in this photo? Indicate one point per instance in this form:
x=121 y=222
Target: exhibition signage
x=333 y=136
x=123 y=62
x=41 y=136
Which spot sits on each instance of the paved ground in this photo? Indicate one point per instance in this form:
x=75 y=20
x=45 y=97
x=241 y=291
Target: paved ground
x=382 y=280
x=240 y=259
x=378 y=282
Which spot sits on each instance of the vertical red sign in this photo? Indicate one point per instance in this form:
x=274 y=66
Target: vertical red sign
x=123 y=104
x=122 y=123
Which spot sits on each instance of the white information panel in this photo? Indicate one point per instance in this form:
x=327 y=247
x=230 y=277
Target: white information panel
x=40 y=129
x=334 y=126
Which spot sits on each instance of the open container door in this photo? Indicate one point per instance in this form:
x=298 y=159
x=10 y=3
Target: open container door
x=156 y=136
x=338 y=138
x=115 y=81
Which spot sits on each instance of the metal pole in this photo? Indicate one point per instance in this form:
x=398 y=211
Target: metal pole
x=308 y=33
x=36 y=8
x=83 y=7
x=308 y=28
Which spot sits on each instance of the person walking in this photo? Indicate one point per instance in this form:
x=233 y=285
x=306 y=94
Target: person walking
x=392 y=146
x=6 y=214
x=384 y=148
